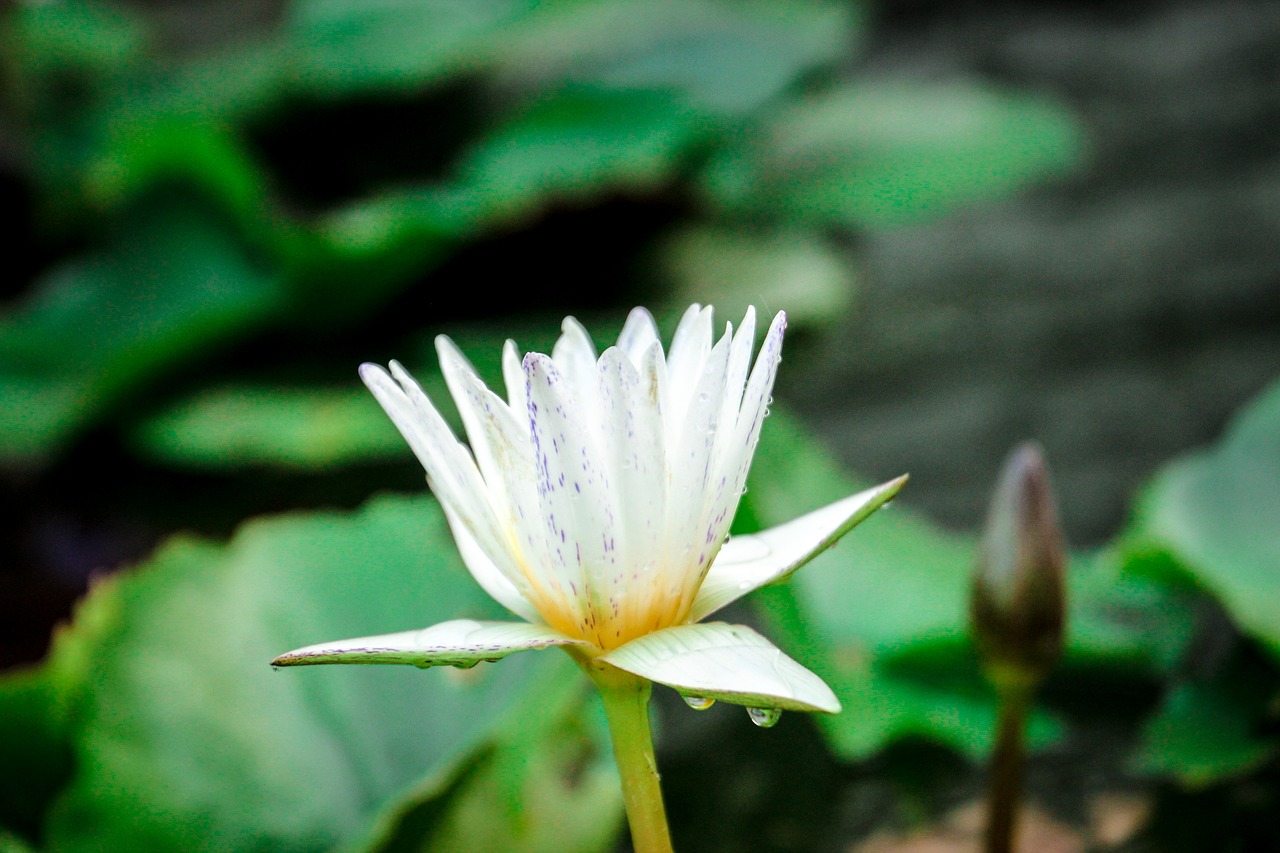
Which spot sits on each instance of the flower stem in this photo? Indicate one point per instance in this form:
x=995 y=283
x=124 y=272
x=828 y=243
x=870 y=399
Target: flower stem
x=1004 y=787
x=626 y=705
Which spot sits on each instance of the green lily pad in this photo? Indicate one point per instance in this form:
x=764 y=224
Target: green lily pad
x=184 y=738
x=883 y=616
x=1216 y=515
x=880 y=154
x=545 y=784
x=1208 y=729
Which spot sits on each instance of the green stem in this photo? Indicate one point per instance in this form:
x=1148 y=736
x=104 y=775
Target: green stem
x=626 y=705
x=1004 y=788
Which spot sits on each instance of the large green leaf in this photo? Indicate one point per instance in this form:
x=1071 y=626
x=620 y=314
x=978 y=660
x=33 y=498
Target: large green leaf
x=185 y=740
x=578 y=141
x=725 y=58
x=878 y=154
x=1210 y=728
x=892 y=582
x=301 y=427
x=39 y=706
x=731 y=269
x=1216 y=513
x=309 y=427
x=545 y=784
x=340 y=46
x=172 y=282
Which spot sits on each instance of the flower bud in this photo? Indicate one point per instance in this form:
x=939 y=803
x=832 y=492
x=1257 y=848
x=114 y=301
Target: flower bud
x=1018 y=598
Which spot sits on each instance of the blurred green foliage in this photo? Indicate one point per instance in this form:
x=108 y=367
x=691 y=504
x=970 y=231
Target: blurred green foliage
x=200 y=237
x=293 y=182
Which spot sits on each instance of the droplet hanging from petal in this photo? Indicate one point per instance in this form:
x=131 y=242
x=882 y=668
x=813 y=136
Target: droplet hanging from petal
x=765 y=718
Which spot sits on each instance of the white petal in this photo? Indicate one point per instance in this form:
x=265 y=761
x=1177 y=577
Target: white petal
x=638 y=334
x=632 y=432
x=513 y=377
x=691 y=460
x=756 y=398
x=749 y=562
x=689 y=350
x=469 y=394
x=489 y=576
x=744 y=342
x=575 y=358
x=731 y=663
x=451 y=471
x=729 y=466
x=574 y=490
x=515 y=498
x=461 y=642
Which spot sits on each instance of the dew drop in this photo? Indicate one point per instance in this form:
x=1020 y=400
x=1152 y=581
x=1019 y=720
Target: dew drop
x=699 y=703
x=765 y=718
x=886 y=504
x=465 y=664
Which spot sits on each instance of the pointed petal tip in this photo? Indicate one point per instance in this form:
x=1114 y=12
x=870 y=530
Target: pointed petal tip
x=444 y=344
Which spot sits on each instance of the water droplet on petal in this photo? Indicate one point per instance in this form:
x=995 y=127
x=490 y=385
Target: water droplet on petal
x=887 y=504
x=465 y=664
x=765 y=718
x=699 y=703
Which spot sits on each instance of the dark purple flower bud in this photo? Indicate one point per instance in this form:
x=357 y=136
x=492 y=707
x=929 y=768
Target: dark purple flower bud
x=1018 y=599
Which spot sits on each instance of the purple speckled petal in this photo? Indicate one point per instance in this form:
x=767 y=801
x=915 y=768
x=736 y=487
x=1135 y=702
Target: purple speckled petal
x=578 y=512
x=634 y=447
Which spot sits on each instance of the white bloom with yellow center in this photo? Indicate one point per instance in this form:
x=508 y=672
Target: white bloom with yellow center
x=595 y=502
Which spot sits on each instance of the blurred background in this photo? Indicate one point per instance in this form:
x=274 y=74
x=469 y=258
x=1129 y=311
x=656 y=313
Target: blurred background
x=986 y=221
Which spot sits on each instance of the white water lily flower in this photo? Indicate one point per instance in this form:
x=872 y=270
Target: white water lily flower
x=595 y=503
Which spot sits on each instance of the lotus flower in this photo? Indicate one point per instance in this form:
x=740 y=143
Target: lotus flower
x=595 y=503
